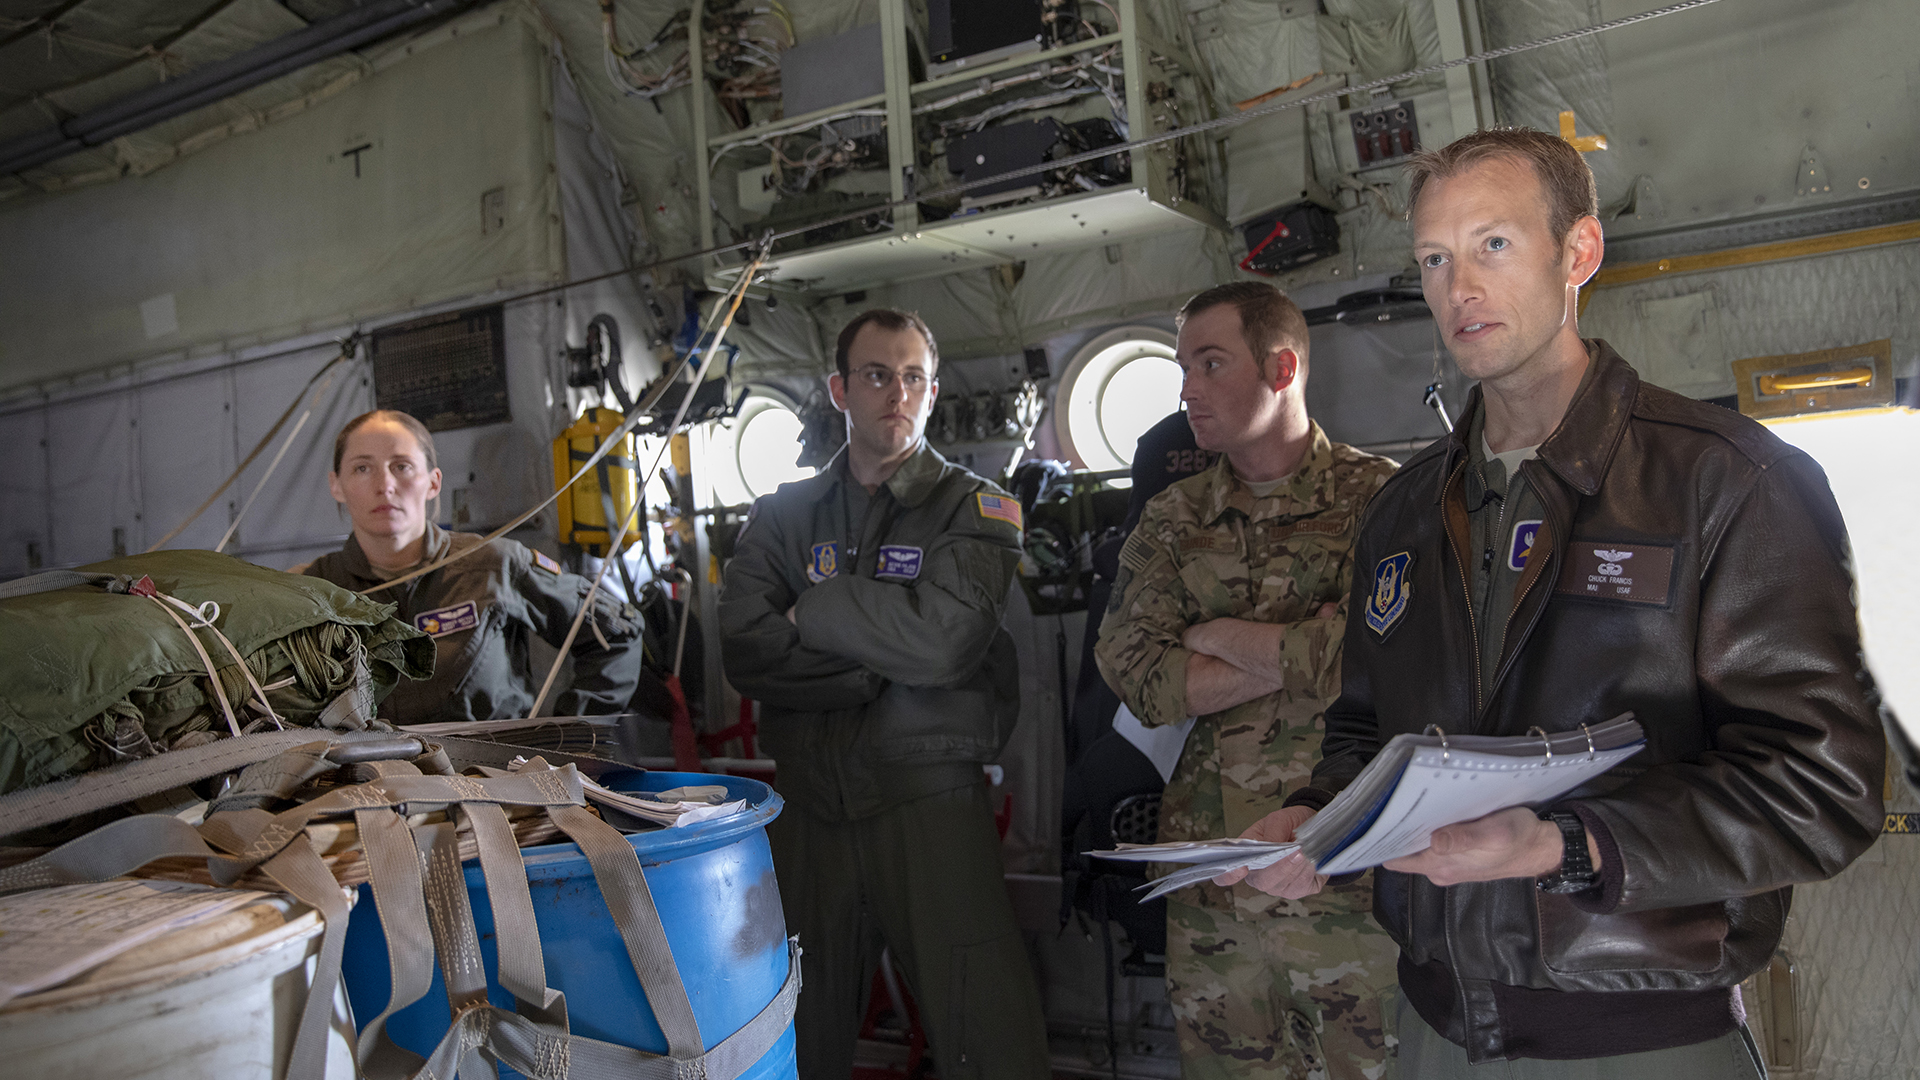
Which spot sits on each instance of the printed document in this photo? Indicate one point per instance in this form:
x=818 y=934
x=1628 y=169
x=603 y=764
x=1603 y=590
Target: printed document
x=1414 y=785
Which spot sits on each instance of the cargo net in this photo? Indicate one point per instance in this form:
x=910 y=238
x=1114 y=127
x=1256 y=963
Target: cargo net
x=413 y=821
x=1840 y=999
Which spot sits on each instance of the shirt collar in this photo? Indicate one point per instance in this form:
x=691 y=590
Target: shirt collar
x=910 y=484
x=1301 y=493
x=438 y=540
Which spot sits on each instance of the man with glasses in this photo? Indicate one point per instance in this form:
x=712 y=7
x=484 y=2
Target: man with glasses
x=862 y=608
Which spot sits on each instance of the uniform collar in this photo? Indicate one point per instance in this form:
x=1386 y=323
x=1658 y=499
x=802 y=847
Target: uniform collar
x=910 y=484
x=1302 y=493
x=357 y=564
x=1582 y=446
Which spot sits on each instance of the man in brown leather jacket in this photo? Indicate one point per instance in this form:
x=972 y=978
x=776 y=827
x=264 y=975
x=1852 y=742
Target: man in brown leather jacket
x=1585 y=544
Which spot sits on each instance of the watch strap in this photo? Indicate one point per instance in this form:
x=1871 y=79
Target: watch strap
x=1576 y=873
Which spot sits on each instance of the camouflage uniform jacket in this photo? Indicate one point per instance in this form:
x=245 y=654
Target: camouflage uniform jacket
x=1207 y=548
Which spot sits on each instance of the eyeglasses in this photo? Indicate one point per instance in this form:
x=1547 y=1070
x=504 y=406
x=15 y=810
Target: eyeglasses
x=880 y=378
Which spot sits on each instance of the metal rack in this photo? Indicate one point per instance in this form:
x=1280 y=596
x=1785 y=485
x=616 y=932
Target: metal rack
x=909 y=249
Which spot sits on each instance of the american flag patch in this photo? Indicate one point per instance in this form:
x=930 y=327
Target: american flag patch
x=999 y=508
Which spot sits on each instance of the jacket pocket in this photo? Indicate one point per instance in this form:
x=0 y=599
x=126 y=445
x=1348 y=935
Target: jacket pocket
x=1393 y=904
x=1688 y=939
x=908 y=724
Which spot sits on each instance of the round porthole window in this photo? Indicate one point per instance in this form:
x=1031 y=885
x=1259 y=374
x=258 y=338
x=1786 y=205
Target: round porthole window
x=1116 y=387
x=754 y=452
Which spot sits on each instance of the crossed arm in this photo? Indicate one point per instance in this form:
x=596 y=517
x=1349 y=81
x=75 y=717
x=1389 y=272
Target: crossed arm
x=1233 y=661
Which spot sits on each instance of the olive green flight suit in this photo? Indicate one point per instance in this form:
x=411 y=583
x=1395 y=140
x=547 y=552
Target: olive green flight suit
x=479 y=612
x=1261 y=987
x=881 y=698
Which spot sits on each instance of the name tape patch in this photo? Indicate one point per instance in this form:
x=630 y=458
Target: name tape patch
x=1907 y=824
x=999 y=508
x=1627 y=573
x=825 y=561
x=1391 y=592
x=898 y=562
x=1524 y=534
x=1314 y=526
x=448 y=620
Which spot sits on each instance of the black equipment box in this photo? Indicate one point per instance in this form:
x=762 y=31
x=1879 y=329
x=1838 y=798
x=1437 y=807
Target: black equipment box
x=995 y=150
x=960 y=29
x=1294 y=235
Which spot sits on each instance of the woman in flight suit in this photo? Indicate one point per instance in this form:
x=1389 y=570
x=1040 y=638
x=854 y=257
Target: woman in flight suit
x=480 y=609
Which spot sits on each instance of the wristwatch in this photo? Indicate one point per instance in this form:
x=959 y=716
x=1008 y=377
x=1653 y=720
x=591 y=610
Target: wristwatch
x=1576 y=872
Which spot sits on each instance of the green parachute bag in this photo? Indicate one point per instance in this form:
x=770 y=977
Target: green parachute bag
x=136 y=656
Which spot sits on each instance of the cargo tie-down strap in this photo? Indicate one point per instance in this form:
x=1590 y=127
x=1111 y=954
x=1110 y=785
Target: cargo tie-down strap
x=423 y=906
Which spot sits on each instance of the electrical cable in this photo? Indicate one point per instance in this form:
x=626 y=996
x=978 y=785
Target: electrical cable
x=616 y=551
x=1145 y=142
x=957 y=189
x=738 y=291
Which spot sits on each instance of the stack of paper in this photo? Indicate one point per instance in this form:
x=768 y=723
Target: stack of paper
x=1414 y=785
x=1206 y=859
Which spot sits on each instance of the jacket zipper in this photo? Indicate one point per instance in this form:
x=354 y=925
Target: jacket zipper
x=1466 y=589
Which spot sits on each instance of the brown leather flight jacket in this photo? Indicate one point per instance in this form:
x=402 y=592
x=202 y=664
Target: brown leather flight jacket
x=1734 y=641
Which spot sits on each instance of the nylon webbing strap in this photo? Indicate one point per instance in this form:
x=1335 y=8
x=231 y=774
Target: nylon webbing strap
x=516 y=936
x=47 y=582
x=63 y=800
x=399 y=896
x=455 y=938
x=107 y=852
x=299 y=870
x=616 y=869
x=423 y=904
x=529 y=1049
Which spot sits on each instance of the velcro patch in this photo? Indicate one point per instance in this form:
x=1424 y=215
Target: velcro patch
x=448 y=620
x=999 y=508
x=1206 y=542
x=825 y=561
x=1628 y=573
x=1521 y=547
x=1392 y=592
x=545 y=562
x=1313 y=526
x=898 y=562
x=1136 y=553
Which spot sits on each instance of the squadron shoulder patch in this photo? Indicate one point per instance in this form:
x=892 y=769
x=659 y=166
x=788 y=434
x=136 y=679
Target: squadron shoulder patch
x=448 y=620
x=1524 y=534
x=1392 y=589
x=825 y=561
x=545 y=562
x=999 y=508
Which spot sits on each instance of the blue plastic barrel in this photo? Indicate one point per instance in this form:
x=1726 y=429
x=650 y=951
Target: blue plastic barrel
x=713 y=884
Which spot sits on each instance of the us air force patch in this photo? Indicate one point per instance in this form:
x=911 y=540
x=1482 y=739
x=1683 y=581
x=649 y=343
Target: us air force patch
x=898 y=562
x=825 y=562
x=1391 y=591
x=448 y=620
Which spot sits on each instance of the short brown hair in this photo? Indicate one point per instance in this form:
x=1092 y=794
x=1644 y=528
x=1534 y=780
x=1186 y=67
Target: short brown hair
x=414 y=427
x=886 y=319
x=1564 y=174
x=1268 y=317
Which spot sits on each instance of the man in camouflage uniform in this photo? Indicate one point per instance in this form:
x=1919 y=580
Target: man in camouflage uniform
x=1230 y=606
